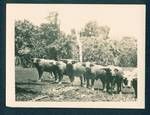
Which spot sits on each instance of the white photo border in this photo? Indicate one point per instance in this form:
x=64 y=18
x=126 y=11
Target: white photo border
x=10 y=70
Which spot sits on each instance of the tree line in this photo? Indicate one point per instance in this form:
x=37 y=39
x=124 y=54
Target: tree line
x=50 y=42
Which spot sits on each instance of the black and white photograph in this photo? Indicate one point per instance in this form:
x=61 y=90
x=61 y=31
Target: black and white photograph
x=75 y=55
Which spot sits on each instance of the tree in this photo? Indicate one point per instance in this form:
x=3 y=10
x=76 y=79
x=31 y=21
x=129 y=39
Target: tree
x=23 y=34
x=49 y=32
x=61 y=48
x=23 y=41
x=128 y=49
x=92 y=29
x=110 y=52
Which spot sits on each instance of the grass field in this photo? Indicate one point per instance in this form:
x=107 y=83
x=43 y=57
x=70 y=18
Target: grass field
x=28 y=89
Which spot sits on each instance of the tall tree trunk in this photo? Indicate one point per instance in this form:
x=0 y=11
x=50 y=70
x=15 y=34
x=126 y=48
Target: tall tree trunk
x=80 y=48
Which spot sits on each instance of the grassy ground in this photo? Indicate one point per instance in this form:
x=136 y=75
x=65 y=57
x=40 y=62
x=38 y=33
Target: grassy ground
x=28 y=89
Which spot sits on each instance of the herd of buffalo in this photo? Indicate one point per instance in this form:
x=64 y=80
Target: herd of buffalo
x=112 y=77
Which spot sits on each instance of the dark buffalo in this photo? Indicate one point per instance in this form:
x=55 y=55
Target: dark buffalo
x=94 y=72
x=60 y=70
x=134 y=84
x=51 y=66
x=117 y=78
x=74 y=69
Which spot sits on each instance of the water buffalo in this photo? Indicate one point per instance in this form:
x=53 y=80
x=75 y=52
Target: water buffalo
x=129 y=83
x=94 y=72
x=45 y=65
x=60 y=70
x=130 y=80
x=134 y=84
x=117 y=77
x=74 y=69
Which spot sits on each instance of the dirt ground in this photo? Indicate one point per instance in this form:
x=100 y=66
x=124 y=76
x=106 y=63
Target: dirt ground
x=28 y=89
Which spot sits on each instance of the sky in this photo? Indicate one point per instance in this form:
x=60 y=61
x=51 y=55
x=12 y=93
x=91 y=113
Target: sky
x=123 y=20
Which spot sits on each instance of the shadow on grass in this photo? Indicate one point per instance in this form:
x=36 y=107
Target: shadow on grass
x=25 y=91
x=54 y=82
x=28 y=83
x=34 y=82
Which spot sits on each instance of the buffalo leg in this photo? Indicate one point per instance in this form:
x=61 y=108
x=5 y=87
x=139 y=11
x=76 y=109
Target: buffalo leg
x=134 y=83
x=88 y=84
x=71 y=79
x=117 y=88
x=40 y=74
x=119 y=84
x=113 y=85
x=60 y=77
x=135 y=89
x=92 y=83
x=109 y=87
x=104 y=87
x=56 y=76
x=84 y=78
x=51 y=75
x=81 y=80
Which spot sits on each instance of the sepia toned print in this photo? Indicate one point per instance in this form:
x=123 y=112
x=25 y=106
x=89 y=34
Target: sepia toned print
x=78 y=56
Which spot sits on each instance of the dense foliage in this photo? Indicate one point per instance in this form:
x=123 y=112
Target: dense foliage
x=48 y=41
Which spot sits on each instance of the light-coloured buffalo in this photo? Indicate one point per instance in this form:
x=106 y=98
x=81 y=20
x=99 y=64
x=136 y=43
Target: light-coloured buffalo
x=74 y=69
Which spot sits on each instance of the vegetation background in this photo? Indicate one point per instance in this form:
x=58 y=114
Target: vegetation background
x=50 y=42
